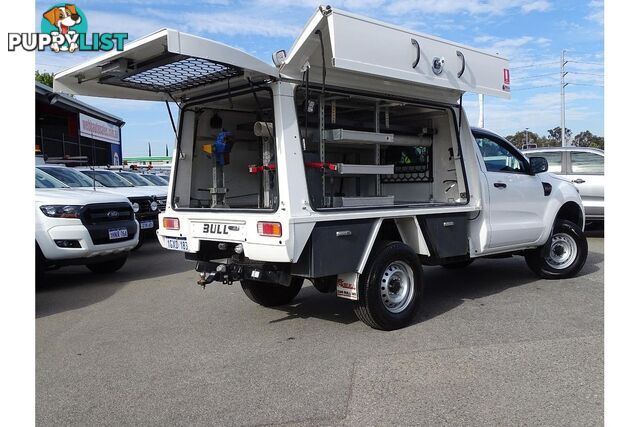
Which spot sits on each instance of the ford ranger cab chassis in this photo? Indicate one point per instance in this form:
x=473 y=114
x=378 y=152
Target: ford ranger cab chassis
x=349 y=163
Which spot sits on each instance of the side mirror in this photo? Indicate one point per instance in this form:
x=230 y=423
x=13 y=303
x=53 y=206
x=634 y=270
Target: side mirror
x=538 y=165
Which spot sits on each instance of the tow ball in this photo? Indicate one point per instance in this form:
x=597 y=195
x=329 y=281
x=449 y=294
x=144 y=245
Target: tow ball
x=220 y=275
x=206 y=278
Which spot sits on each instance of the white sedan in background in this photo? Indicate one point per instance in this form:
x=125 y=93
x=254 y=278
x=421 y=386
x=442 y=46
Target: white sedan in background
x=582 y=166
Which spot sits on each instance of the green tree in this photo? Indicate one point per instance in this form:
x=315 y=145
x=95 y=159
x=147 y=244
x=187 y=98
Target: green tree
x=520 y=138
x=44 y=78
x=555 y=135
x=587 y=139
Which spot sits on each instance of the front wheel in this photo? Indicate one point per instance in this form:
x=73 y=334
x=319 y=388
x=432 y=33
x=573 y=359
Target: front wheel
x=270 y=294
x=390 y=287
x=563 y=255
x=106 y=267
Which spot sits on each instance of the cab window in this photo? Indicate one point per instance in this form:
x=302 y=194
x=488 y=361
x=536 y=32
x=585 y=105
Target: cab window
x=498 y=158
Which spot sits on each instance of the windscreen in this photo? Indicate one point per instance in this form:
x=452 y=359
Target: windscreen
x=135 y=179
x=227 y=156
x=108 y=178
x=155 y=180
x=70 y=177
x=46 y=181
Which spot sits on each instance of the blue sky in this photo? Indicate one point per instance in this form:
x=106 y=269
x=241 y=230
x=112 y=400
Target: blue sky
x=531 y=34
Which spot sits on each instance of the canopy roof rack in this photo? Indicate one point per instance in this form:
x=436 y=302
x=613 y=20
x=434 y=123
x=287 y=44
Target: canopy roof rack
x=165 y=65
x=179 y=73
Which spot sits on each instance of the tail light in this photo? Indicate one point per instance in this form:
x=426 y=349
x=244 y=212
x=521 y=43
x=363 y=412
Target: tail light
x=171 y=223
x=270 y=229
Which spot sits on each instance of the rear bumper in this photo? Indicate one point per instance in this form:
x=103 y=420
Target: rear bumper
x=255 y=246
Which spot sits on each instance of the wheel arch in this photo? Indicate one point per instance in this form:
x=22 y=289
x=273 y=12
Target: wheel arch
x=571 y=211
x=400 y=229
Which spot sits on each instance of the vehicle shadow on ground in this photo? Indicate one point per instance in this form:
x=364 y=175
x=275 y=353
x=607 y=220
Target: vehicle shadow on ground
x=443 y=290
x=75 y=287
x=446 y=289
x=310 y=303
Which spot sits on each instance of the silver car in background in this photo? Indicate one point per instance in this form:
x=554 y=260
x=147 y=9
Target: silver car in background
x=582 y=166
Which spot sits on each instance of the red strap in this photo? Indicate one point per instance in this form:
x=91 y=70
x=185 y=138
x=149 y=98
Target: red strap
x=256 y=169
x=313 y=165
x=320 y=165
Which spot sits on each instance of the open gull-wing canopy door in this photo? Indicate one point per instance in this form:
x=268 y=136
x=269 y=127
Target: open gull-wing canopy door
x=359 y=52
x=164 y=65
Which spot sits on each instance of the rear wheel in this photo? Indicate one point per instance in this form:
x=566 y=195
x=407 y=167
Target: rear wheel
x=271 y=294
x=390 y=287
x=563 y=255
x=107 y=267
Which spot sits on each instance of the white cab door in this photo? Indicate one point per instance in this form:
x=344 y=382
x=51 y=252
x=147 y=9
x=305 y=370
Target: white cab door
x=516 y=198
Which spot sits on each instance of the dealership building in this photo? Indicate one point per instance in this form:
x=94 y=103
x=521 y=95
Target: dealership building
x=70 y=130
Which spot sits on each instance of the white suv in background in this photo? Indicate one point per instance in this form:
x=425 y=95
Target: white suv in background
x=582 y=166
x=81 y=227
x=146 y=205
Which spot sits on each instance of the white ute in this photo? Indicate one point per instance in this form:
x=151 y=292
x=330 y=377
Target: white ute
x=81 y=227
x=350 y=163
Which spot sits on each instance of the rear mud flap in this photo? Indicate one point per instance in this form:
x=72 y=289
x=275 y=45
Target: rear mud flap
x=347 y=286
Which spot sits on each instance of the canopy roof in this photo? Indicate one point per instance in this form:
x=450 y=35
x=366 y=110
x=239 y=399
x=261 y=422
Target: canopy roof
x=337 y=48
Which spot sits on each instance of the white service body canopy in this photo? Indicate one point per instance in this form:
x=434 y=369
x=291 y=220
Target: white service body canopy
x=359 y=53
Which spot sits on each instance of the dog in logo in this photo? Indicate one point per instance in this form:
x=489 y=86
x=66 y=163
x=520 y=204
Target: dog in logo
x=63 y=18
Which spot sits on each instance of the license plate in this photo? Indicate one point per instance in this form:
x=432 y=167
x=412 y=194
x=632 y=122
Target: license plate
x=118 y=233
x=176 y=244
x=145 y=225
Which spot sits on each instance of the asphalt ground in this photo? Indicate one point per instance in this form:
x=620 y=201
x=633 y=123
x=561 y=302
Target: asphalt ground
x=492 y=345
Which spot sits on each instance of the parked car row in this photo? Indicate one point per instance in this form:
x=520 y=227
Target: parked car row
x=584 y=167
x=93 y=217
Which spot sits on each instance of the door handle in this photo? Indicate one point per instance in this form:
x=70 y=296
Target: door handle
x=500 y=185
x=579 y=181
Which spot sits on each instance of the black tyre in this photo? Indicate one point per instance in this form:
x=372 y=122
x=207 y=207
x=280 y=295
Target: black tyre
x=40 y=266
x=107 y=267
x=458 y=264
x=390 y=287
x=563 y=255
x=270 y=294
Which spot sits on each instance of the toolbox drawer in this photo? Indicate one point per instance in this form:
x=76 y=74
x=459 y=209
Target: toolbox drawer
x=447 y=235
x=334 y=247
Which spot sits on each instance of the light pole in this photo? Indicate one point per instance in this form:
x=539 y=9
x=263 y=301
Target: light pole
x=526 y=137
x=562 y=86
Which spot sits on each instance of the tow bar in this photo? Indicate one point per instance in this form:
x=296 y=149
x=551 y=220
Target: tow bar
x=230 y=273
x=220 y=275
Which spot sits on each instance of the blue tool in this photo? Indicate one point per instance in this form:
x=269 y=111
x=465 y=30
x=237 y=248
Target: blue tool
x=222 y=147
